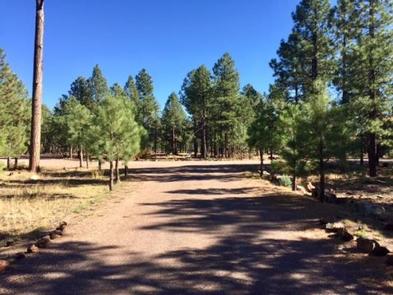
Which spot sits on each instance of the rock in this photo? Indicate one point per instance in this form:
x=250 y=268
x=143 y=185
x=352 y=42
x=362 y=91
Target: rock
x=366 y=245
x=334 y=227
x=32 y=249
x=345 y=235
x=4 y=264
x=380 y=251
x=43 y=242
x=265 y=173
x=388 y=226
x=389 y=260
x=20 y=255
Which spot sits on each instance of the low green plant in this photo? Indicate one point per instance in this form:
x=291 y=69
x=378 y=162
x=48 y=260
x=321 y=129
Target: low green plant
x=285 y=180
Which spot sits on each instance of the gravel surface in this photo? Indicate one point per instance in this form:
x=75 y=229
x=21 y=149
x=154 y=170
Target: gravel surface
x=197 y=228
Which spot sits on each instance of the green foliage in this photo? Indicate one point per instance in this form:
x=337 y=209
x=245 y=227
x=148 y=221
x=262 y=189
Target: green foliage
x=117 y=133
x=173 y=123
x=14 y=112
x=148 y=109
x=98 y=85
x=285 y=180
x=78 y=120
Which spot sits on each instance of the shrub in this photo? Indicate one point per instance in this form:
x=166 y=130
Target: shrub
x=285 y=180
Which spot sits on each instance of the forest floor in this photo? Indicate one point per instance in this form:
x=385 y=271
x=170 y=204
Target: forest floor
x=200 y=227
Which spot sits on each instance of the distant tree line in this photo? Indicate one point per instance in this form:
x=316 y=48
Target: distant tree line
x=331 y=99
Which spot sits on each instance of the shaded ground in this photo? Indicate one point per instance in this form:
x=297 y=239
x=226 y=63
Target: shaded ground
x=198 y=228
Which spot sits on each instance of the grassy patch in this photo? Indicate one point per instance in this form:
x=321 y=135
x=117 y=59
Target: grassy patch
x=28 y=205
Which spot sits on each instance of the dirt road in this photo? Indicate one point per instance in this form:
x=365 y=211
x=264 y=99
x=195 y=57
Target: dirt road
x=196 y=228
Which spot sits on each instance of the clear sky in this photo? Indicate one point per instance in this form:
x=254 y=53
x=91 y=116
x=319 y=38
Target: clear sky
x=167 y=37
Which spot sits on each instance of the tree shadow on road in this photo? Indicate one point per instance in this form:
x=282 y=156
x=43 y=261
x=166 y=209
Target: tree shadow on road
x=246 y=259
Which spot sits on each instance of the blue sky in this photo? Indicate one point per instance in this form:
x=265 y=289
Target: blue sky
x=167 y=37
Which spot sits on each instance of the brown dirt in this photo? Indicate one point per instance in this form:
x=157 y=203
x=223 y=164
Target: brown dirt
x=199 y=228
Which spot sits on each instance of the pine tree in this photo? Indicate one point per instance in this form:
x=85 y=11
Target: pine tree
x=312 y=23
x=224 y=106
x=265 y=132
x=82 y=92
x=196 y=97
x=78 y=120
x=375 y=69
x=173 y=122
x=148 y=114
x=98 y=85
x=35 y=140
x=14 y=113
x=132 y=92
x=289 y=69
x=116 y=131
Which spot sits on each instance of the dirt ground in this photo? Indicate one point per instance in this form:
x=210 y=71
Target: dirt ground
x=199 y=228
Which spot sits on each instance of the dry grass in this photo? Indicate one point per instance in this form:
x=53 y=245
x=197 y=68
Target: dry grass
x=27 y=205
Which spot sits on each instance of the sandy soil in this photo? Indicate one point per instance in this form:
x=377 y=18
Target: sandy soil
x=198 y=228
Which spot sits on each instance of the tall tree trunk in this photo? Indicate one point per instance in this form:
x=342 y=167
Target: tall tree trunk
x=261 y=161
x=35 y=140
x=8 y=163
x=110 y=175
x=372 y=142
x=173 y=148
x=80 y=157
x=87 y=160
x=117 y=175
x=203 y=135
x=71 y=152
x=321 y=174
x=15 y=163
x=372 y=155
x=294 y=182
x=99 y=165
x=361 y=151
x=126 y=170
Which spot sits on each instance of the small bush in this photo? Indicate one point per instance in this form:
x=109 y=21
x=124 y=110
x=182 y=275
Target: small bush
x=285 y=180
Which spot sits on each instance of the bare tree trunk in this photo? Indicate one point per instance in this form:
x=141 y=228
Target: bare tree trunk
x=80 y=157
x=321 y=174
x=261 y=161
x=15 y=163
x=110 y=175
x=99 y=165
x=71 y=152
x=8 y=163
x=126 y=170
x=294 y=182
x=35 y=141
x=87 y=160
x=117 y=173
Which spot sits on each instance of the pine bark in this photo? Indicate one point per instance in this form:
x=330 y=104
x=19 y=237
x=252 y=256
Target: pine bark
x=80 y=157
x=110 y=175
x=35 y=141
x=117 y=173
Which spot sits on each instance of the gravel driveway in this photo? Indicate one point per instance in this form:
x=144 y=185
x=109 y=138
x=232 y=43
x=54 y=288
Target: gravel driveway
x=196 y=228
